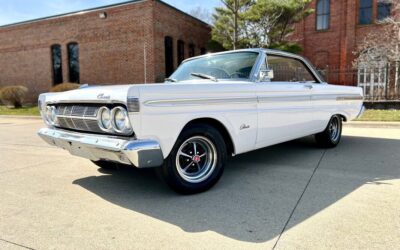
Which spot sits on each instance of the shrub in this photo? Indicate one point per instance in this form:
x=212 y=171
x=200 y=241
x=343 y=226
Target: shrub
x=13 y=95
x=1 y=101
x=64 y=87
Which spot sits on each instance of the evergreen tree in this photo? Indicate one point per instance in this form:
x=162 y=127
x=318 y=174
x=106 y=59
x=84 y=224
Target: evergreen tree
x=260 y=23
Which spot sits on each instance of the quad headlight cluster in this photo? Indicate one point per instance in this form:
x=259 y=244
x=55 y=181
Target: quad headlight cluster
x=114 y=120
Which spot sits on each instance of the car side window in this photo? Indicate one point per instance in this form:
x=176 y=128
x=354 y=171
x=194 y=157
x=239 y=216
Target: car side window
x=288 y=69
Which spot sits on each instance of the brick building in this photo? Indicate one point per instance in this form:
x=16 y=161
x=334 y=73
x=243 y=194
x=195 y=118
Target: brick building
x=332 y=33
x=140 y=41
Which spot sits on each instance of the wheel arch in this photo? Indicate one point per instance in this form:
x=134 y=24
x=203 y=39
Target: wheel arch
x=217 y=125
x=343 y=116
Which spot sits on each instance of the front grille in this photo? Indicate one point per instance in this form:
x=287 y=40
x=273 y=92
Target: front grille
x=82 y=117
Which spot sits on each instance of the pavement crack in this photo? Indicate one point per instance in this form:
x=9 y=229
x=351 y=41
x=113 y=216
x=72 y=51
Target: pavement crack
x=25 y=145
x=298 y=201
x=29 y=166
x=16 y=244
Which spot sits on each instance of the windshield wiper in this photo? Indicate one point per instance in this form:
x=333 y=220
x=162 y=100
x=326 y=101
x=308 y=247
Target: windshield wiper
x=170 y=80
x=204 y=76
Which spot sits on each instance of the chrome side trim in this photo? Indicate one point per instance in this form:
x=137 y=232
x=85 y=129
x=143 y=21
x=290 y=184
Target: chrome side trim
x=200 y=101
x=337 y=97
x=140 y=153
x=350 y=98
x=238 y=100
x=284 y=98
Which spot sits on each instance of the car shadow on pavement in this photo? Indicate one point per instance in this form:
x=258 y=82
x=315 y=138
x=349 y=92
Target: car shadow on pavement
x=259 y=190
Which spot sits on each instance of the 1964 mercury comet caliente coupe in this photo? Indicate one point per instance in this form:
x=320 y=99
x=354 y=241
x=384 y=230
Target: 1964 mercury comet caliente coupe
x=212 y=107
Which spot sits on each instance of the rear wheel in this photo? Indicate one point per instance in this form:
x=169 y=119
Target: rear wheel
x=197 y=160
x=331 y=136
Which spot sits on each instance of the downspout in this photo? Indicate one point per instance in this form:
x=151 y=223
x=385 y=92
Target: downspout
x=145 y=62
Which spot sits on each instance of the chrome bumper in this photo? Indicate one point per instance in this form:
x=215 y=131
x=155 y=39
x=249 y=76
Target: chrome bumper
x=140 y=153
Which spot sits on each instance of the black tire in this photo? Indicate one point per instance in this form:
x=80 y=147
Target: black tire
x=193 y=172
x=107 y=165
x=331 y=136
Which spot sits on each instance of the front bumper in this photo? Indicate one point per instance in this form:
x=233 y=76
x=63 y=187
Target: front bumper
x=140 y=153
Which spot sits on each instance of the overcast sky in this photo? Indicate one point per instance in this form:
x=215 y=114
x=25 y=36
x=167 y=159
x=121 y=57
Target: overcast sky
x=22 y=10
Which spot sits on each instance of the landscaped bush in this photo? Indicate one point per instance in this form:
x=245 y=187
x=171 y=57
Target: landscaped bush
x=64 y=87
x=1 y=102
x=13 y=95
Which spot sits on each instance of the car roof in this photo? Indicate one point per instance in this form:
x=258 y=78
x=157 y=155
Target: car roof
x=257 y=50
x=268 y=52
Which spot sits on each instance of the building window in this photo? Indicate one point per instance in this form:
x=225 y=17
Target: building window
x=384 y=9
x=57 y=64
x=365 y=13
x=191 y=50
x=73 y=62
x=323 y=14
x=169 y=56
x=203 y=51
x=181 y=51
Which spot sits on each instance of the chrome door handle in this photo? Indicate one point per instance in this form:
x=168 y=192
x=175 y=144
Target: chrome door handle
x=309 y=86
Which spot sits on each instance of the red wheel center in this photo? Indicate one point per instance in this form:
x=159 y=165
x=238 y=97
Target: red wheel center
x=196 y=158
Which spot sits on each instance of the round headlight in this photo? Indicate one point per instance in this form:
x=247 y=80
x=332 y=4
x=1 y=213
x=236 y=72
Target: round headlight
x=51 y=114
x=105 y=119
x=54 y=114
x=120 y=120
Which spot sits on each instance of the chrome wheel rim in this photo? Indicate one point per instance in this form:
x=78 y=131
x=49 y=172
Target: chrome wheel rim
x=334 y=129
x=196 y=159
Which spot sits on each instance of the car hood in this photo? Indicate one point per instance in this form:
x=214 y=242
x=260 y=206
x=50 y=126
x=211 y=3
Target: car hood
x=115 y=93
x=120 y=93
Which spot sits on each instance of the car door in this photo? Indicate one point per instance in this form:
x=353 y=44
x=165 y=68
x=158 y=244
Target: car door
x=285 y=110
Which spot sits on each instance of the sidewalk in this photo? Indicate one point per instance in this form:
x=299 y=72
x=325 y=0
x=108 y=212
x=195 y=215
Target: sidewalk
x=364 y=124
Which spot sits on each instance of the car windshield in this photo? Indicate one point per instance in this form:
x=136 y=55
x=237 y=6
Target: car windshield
x=237 y=65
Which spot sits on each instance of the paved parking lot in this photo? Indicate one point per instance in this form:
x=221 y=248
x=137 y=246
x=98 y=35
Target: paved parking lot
x=290 y=196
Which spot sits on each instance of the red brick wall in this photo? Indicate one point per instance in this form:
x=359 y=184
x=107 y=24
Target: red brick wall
x=334 y=48
x=168 y=22
x=112 y=50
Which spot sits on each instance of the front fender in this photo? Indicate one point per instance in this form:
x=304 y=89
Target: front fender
x=166 y=131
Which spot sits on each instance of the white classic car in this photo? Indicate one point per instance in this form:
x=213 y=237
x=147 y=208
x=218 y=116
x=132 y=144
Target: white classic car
x=212 y=107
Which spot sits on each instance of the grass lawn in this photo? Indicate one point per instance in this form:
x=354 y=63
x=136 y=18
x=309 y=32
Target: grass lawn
x=25 y=111
x=381 y=115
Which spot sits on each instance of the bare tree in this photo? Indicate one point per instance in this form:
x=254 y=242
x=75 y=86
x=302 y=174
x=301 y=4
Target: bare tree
x=202 y=14
x=378 y=56
x=382 y=46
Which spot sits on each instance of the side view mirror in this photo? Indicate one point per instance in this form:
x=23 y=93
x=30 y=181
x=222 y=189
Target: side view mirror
x=266 y=75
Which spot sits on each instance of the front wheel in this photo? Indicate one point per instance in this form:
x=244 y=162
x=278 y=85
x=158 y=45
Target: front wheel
x=197 y=160
x=331 y=136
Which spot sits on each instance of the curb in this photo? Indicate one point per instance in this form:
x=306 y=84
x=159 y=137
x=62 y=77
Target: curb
x=21 y=117
x=355 y=124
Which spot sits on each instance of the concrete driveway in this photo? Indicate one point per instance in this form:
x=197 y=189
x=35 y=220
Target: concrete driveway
x=290 y=196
